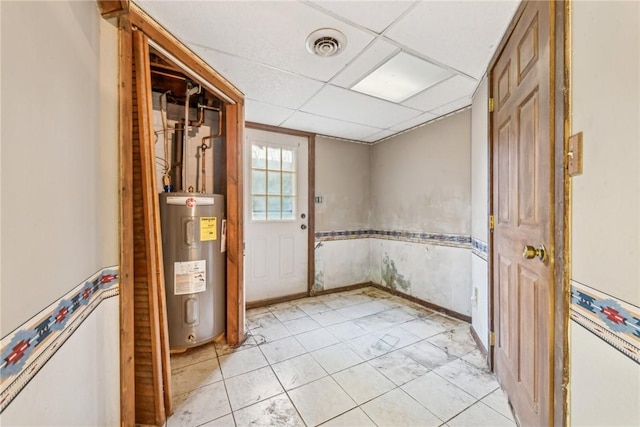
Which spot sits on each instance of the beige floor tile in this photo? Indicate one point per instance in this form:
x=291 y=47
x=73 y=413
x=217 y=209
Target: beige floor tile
x=397 y=408
x=480 y=415
x=252 y=387
x=320 y=401
x=363 y=382
x=275 y=411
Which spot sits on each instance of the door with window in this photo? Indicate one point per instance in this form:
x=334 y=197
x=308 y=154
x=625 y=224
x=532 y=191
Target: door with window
x=276 y=217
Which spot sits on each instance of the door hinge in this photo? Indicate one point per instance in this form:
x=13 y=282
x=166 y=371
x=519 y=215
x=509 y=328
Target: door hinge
x=491 y=105
x=492 y=223
x=492 y=338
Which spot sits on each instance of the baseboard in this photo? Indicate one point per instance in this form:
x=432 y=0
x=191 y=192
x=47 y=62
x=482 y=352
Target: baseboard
x=423 y=303
x=293 y=297
x=478 y=341
x=342 y=289
x=426 y=304
x=276 y=300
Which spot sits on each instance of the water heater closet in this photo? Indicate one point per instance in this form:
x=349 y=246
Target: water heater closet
x=189 y=153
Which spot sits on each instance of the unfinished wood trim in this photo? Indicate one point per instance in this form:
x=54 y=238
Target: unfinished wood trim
x=234 y=131
x=156 y=246
x=562 y=220
x=276 y=300
x=113 y=8
x=168 y=41
x=149 y=377
x=125 y=168
x=311 y=223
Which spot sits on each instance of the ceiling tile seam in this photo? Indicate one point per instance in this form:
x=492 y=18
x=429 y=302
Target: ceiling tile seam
x=450 y=102
x=427 y=58
x=262 y=64
x=444 y=116
x=370 y=96
x=401 y=17
x=341 y=18
x=431 y=87
x=344 y=121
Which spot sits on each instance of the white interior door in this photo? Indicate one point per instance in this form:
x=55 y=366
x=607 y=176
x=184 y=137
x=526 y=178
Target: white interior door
x=276 y=201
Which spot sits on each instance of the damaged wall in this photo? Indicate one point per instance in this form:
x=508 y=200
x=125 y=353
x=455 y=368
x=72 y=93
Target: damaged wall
x=342 y=218
x=420 y=203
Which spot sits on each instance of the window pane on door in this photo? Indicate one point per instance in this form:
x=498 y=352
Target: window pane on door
x=287 y=160
x=259 y=208
x=288 y=208
x=288 y=184
x=274 y=183
x=259 y=181
x=259 y=156
x=273 y=192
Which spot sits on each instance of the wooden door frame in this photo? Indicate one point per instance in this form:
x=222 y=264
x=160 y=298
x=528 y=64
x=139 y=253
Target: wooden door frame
x=129 y=17
x=311 y=261
x=560 y=109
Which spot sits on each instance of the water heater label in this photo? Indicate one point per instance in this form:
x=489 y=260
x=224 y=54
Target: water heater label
x=208 y=228
x=189 y=277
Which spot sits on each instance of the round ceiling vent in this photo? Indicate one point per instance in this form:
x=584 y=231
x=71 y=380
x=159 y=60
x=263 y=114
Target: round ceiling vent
x=326 y=42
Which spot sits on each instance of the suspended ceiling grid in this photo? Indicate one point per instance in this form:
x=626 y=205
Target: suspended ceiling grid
x=260 y=47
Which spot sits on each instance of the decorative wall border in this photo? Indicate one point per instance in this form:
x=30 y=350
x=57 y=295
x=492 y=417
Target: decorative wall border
x=480 y=248
x=614 y=321
x=441 y=239
x=27 y=349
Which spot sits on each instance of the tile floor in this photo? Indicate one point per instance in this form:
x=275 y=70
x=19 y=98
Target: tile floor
x=357 y=358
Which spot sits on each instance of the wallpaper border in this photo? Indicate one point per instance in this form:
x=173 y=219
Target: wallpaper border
x=30 y=346
x=441 y=239
x=480 y=248
x=614 y=321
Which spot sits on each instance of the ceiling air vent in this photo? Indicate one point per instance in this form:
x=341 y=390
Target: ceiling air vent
x=326 y=42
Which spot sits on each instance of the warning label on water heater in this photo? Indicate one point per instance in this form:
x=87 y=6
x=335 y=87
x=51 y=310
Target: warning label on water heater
x=189 y=277
x=208 y=226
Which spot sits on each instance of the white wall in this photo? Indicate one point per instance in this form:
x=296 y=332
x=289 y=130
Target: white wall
x=479 y=209
x=420 y=182
x=60 y=198
x=342 y=180
x=604 y=384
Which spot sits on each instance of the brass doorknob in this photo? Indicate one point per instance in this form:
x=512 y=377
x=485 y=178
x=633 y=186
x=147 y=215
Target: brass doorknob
x=531 y=252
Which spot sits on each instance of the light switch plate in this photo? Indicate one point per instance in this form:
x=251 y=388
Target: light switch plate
x=574 y=166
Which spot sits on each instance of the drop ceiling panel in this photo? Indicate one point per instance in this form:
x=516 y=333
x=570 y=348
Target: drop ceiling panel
x=262 y=83
x=375 y=16
x=379 y=135
x=267 y=114
x=328 y=126
x=268 y=32
x=259 y=45
x=343 y=104
x=422 y=118
x=370 y=59
x=462 y=34
x=442 y=93
x=452 y=106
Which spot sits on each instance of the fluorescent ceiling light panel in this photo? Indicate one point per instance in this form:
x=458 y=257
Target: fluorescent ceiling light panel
x=401 y=77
